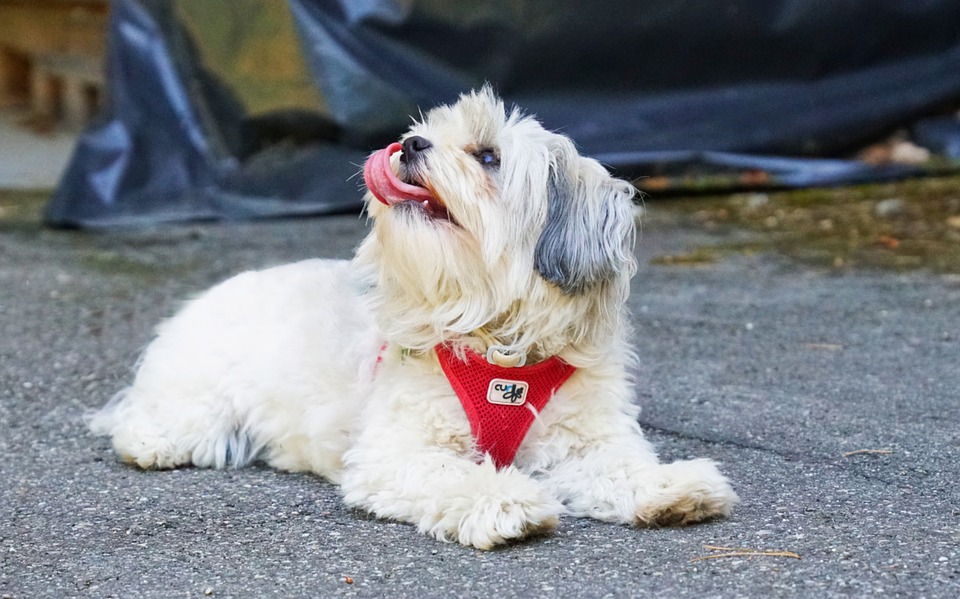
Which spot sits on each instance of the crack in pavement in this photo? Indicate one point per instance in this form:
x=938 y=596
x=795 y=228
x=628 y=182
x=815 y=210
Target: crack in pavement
x=807 y=458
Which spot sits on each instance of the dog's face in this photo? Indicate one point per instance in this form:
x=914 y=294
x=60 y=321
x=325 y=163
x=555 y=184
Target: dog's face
x=481 y=215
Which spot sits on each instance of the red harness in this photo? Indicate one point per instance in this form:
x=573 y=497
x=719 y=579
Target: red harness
x=501 y=403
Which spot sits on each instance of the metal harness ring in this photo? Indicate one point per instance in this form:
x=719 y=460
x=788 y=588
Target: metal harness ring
x=505 y=355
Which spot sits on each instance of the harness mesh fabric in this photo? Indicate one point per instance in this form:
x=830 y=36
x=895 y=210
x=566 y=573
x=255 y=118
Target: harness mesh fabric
x=497 y=428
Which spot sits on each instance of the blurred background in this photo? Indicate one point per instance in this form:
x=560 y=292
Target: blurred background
x=52 y=58
x=138 y=112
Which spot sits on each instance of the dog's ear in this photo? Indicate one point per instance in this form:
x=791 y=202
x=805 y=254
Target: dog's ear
x=589 y=232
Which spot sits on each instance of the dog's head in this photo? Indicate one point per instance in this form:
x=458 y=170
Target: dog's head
x=482 y=218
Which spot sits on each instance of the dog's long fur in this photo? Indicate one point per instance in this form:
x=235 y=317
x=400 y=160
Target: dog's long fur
x=285 y=364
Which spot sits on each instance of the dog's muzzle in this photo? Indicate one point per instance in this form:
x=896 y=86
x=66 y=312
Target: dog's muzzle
x=387 y=187
x=384 y=184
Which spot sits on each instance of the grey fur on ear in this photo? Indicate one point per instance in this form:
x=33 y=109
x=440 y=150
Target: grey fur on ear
x=589 y=232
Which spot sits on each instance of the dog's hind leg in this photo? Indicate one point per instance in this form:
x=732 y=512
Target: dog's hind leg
x=157 y=431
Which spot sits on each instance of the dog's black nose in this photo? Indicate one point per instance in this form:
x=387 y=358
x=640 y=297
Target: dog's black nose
x=412 y=146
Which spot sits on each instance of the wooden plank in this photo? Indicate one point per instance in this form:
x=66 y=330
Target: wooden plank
x=14 y=78
x=52 y=56
x=54 y=27
x=44 y=94
x=81 y=67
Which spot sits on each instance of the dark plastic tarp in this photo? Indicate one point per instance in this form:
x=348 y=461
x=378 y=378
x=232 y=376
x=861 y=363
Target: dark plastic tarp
x=256 y=108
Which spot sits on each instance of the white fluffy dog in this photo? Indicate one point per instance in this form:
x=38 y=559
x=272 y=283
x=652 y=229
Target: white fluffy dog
x=493 y=244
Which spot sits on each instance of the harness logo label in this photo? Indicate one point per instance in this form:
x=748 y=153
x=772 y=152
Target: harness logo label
x=507 y=393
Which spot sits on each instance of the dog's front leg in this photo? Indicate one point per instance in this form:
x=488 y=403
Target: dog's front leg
x=616 y=477
x=449 y=497
x=415 y=465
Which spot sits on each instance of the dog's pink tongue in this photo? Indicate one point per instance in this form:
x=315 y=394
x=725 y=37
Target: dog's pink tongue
x=385 y=185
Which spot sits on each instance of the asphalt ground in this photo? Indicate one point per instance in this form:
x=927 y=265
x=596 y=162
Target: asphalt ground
x=774 y=366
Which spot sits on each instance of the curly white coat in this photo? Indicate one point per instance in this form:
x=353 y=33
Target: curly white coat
x=285 y=364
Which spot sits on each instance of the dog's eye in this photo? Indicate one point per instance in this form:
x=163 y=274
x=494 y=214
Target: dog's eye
x=487 y=157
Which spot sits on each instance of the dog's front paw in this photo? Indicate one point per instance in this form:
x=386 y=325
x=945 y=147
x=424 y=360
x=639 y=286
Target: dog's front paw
x=684 y=493
x=492 y=510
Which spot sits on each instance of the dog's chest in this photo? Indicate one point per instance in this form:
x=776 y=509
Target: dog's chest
x=501 y=403
x=469 y=406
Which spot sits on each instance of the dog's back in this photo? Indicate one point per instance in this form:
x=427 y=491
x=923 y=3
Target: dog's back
x=271 y=358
